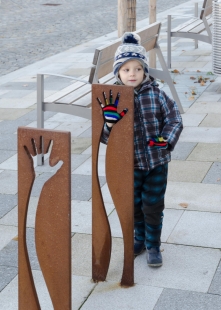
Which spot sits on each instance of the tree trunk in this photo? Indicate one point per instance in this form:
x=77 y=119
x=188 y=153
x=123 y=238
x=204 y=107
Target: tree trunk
x=126 y=16
x=131 y=20
x=152 y=19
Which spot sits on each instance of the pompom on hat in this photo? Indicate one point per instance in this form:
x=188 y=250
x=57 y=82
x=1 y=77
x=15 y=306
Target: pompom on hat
x=130 y=49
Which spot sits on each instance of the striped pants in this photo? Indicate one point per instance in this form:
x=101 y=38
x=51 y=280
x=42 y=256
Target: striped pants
x=149 y=191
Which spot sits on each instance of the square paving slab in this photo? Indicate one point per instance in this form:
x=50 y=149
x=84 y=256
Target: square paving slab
x=110 y=295
x=6 y=276
x=82 y=257
x=4 y=155
x=6 y=234
x=214 y=174
x=178 y=299
x=75 y=128
x=8 y=142
x=86 y=167
x=198 y=229
x=7 y=203
x=204 y=107
x=187 y=171
x=80 y=144
x=12 y=114
x=192 y=119
x=201 y=134
x=8 y=182
x=206 y=152
x=81 y=216
x=9 y=295
x=211 y=120
x=184 y=267
x=215 y=287
x=11 y=218
x=182 y=150
x=193 y=196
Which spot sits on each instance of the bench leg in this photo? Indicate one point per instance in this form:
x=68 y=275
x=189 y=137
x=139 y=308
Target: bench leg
x=40 y=112
x=167 y=77
x=169 y=41
x=196 y=15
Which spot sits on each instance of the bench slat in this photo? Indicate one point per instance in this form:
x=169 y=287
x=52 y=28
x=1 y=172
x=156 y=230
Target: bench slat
x=66 y=90
x=77 y=94
x=192 y=25
x=81 y=97
x=180 y=27
x=149 y=45
x=107 y=52
x=152 y=32
x=207 y=8
x=201 y=28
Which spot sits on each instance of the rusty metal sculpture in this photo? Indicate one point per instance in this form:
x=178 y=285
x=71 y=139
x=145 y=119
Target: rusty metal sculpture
x=119 y=175
x=53 y=218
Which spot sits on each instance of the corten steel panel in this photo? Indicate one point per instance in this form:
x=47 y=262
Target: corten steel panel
x=120 y=179
x=53 y=218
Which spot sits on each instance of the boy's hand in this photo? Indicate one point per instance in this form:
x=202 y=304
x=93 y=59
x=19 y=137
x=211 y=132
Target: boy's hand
x=158 y=142
x=111 y=116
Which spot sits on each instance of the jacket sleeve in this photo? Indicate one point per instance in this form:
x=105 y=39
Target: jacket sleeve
x=105 y=134
x=172 y=120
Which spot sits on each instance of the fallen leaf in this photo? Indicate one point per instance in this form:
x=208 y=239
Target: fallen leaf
x=212 y=81
x=174 y=82
x=193 y=93
x=198 y=71
x=191 y=98
x=206 y=79
x=183 y=204
x=15 y=238
x=162 y=81
x=175 y=71
x=192 y=78
x=161 y=250
x=202 y=83
x=186 y=92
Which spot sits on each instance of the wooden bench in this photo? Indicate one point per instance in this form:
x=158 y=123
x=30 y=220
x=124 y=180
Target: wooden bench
x=192 y=29
x=77 y=98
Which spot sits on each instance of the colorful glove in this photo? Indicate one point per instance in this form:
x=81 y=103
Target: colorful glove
x=110 y=110
x=158 y=142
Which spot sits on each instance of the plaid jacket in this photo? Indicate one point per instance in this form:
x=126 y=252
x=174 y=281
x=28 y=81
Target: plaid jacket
x=155 y=114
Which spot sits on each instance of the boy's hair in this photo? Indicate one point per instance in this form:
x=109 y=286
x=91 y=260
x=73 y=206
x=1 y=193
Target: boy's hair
x=130 y=49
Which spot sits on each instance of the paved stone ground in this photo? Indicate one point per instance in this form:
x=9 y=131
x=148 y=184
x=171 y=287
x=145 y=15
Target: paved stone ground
x=31 y=31
x=190 y=277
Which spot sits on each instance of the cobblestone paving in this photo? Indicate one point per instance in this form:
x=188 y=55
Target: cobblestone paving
x=31 y=30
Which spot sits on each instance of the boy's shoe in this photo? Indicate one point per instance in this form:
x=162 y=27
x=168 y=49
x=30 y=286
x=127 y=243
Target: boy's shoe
x=154 y=257
x=138 y=247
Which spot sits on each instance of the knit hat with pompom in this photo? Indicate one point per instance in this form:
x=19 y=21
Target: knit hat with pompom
x=129 y=49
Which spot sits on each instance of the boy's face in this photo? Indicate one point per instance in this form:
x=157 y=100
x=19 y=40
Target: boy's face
x=131 y=73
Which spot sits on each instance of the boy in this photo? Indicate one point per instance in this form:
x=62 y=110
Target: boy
x=157 y=127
